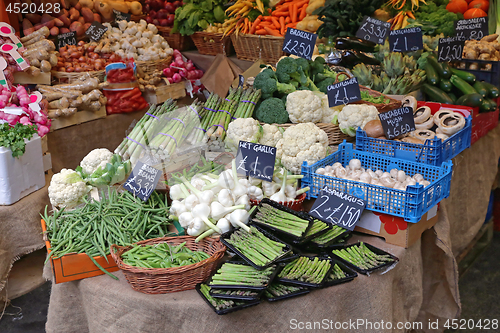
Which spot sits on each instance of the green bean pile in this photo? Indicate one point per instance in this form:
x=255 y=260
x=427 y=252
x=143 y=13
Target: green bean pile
x=278 y=289
x=281 y=220
x=162 y=256
x=316 y=227
x=256 y=246
x=336 y=273
x=218 y=303
x=361 y=256
x=241 y=275
x=306 y=270
x=329 y=235
x=231 y=292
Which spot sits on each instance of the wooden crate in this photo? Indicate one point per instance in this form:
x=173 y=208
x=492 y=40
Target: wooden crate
x=77 y=118
x=163 y=93
x=47 y=162
x=25 y=78
x=45 y=144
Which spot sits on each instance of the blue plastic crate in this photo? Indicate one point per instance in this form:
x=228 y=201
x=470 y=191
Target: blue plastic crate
x=410 y=204
x=433 y=152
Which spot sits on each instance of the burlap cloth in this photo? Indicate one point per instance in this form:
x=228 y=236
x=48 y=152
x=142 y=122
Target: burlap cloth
x=422 y=287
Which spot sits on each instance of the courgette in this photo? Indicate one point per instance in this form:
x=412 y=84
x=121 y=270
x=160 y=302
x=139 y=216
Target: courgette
x=438 y=68
x=446 y=70
x=445 y=85
x=473 y=100
x=435 y=94
x=480 y=88
x=466 y=76
x=462 y=85
x=452 y=96
x=486 y=106
x=432 y=76
x=493 y=92
x=492 y=104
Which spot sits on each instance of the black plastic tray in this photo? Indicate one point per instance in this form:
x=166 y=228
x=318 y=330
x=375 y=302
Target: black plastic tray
x=277 y=231
x=366 y=271
x=343 y=236
x=286 y=251
x=240 y=287
x=236 y=297
x=306 y=284
x=308 y=238
x=290 y=295
x=350 y=275
x=228 y=310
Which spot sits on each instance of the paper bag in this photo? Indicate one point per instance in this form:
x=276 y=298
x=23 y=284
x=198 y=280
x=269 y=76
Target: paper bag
x=251 y=72
x=219 y=77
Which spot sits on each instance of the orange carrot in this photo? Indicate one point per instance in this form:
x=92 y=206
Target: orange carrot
x=291 y=25
x=265 y=23
x=303 y=13
x=275 y=22
x=267 y=18
x=279 y=14
x=283 y=6
x=293 y=13
x=287 y=19
x=261 y=32
x=301 y=3
x=273 y=32
x=282 y=25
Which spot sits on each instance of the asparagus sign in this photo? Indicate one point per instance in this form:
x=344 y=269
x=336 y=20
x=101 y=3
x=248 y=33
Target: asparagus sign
x=142 y=181
x=256 y=160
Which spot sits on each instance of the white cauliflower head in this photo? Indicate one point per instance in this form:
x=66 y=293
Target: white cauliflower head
x=271 y=134
x=304 y=106
x=330 y=114
x=243 y=129
x=96 y=158
x=353 y=116
x=302 y=142
x=67 y=188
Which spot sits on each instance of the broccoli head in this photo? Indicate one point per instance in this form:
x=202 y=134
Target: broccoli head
x=272 y=111
x=284 y=68
x=267 y=83
x=315 y=67
x=322 y=86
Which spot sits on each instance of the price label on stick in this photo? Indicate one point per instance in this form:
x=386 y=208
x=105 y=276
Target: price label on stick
x=241 y=80
x=299 y=43
x=337 y=207
x=68 y=38
x=406 y=40
x=256 y=160
x=397 y=122
x=473 y=29
x=343 y=92
x=142 y=181
x=96 y=31
x=119 y=16
x=373 y=30
x=450 y=49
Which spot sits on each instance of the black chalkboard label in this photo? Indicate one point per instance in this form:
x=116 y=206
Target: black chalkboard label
x=241 y=80
x=406 y=40
x=68 y=38
x=344 y=92
x=142 y=181
x=473 y=29
x=299 y=43
x=339 y=208
x=96 y=31
x=397 y=122
x=256 y=160
x=119 y=16
x=373 y=30
x=450 y=49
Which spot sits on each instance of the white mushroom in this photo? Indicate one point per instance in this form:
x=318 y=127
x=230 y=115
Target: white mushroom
x=355 y=164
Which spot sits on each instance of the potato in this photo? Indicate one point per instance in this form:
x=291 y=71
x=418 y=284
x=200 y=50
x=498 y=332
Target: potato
x=78 y=28
x=97 y=18
x=64 y=30
x=45 y=66
x=87 y=15
x=27 y=27
x=74 y=14
x=34 y=18
x=66 y=21
x=54 y=31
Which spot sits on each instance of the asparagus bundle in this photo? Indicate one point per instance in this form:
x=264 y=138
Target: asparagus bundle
x=306 y=270
x=316 y=227
x=218 y=303
x=255 y=246
x=232 y=292
x=211 y=108
x=336 y=273
x=362 y=257
x=219 y=123
x=278 y=290
x=329 y=235
x=241 y=275
x=268 y=215
x=247 y=103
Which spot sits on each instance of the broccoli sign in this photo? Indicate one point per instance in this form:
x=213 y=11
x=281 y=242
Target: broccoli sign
x=299 y=43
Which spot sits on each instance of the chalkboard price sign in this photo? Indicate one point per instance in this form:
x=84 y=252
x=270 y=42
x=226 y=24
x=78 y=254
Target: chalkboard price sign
x=339 y=208
x=373 y=30
x=343 y=92
x=450 y=49
x=96 y=31
x=299 y=43
x=406 y=40
x=397 y=122
x=473 y=29
x=142 y=181
x=256 y=160
x=119 y=16
x=68 y=38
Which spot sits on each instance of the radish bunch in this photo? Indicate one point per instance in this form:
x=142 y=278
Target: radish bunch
x=19 y=97
x=181 y=70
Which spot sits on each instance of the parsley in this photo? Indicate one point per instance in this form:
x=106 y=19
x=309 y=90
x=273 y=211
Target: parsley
x=13 y=137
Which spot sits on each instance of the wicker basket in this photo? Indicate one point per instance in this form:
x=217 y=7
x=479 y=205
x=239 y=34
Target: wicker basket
x=254 y=47
x=296 y=204
x=149 y=67
x=166 y=280
x=65 y=77
x=335 y=136
x=211 y=43
x=175 y=40
x=393 y=104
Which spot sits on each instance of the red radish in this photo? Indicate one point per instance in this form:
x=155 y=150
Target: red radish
x=163 y=22
x=189 y=66
x=170 y=19
x=152 y=14
x=149 y=20
x=170 y=80
x=169 y=7
x=177 y=78
x=156 y=22
x=168 y=72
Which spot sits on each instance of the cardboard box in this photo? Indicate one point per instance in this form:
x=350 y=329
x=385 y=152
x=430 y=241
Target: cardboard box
x=394 y=229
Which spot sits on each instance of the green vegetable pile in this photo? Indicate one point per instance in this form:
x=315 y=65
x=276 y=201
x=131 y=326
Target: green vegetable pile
x=336 y=273
x=329 y=235
x=365 y=96
x=434 y=19
x=362 y=257
x=197 y=15
x=306 y=270
x=241 y=275
x=343 y=17
x=218 y=303
x=114 y=172
x=278 y=290
x=255 y=246
x=316 y=227
x=13 y=137
x=162 y=256
x=292 y=224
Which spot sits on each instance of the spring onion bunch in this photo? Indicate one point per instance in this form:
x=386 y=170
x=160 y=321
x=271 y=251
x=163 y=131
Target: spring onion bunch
x=361 y=256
